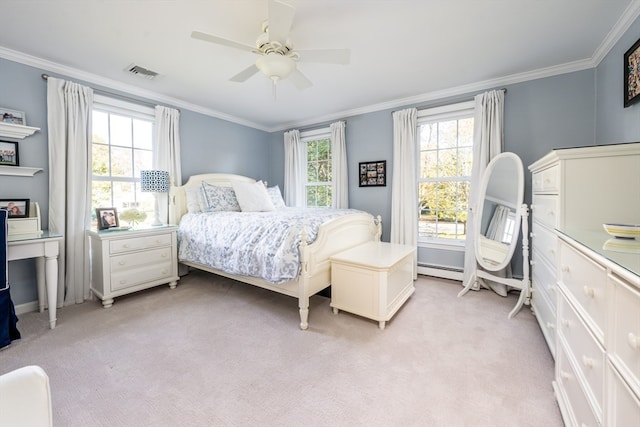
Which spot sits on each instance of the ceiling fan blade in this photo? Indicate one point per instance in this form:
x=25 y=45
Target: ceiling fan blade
x=244 y=74
x=300 y=80
x=219 y=40
x=327 y=56
x=280 y=20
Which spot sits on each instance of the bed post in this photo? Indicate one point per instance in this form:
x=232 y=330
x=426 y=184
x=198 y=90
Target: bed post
x=303 y=297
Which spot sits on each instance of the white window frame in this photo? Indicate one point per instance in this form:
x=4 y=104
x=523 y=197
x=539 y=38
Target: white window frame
x=129 y=109
x=461 y=110
x=314 y=135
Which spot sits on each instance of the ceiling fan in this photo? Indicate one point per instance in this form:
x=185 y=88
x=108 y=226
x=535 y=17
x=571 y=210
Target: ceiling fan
x=277 y=59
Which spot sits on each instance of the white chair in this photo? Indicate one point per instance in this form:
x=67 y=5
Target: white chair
x=25 y=398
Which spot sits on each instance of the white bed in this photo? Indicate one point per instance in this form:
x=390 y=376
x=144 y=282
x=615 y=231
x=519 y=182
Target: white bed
x=332 y=237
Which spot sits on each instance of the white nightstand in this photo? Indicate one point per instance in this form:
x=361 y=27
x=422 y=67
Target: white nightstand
x=372 y=280
x=127 y=261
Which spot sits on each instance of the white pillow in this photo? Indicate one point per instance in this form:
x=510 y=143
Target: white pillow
x=276 y=197
x=253 y=196
x=195 y=200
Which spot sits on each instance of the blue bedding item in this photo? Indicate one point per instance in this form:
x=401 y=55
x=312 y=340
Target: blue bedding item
x=257 y=244
x=8 y=318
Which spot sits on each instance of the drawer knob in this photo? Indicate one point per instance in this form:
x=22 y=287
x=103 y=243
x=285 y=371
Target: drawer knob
x=122 y=263
x=126 y=245
x=122 y=282
x=588 y=291
x=551 y=213
x=551 y=325
x=633 y=340
x=565 y=375
x=565 y=269
x=587 y=362
x=566 y=323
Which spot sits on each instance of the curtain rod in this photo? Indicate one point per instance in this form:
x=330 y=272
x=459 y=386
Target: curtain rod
x=454 y=101
x=115 y=95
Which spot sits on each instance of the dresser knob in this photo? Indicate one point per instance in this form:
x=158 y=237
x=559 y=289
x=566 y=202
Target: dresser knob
x=121 y=263
x=125 y=246
x=566 y=323
x=565 y=269
x=551 y=325
x=633 y=340
x=587 y=361
x=565 y=375
x=588 y=291
x=122 y=282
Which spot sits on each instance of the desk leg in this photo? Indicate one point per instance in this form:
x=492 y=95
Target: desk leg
x=40 y=279
x=51 y=277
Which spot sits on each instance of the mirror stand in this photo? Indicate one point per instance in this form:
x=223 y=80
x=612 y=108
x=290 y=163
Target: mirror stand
x=524 y=284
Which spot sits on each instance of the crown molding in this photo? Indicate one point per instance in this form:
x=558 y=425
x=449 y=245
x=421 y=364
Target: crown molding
x=54 y=68
x=629 y=16
x=555 y=70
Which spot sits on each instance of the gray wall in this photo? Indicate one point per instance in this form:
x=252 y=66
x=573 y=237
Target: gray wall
x=614 y=123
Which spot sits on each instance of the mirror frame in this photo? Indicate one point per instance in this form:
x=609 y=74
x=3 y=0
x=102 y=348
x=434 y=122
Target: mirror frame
x=519 y=200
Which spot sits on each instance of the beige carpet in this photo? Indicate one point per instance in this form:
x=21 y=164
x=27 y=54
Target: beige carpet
x=214 y=352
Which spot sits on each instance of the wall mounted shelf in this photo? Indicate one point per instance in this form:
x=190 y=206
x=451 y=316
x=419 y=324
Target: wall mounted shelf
x=16 y=131
x=18 y=170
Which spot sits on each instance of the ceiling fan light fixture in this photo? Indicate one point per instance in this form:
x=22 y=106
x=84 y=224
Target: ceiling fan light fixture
x=275 y=66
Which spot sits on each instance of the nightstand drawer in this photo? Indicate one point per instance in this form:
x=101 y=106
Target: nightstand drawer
x=140 y=274
x=586 y=282
x=139 y=243
x=122 y=263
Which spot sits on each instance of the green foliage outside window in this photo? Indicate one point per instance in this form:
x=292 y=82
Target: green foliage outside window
x=319 y=174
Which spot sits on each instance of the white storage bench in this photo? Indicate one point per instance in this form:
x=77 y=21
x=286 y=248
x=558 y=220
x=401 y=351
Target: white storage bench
x=372 y=280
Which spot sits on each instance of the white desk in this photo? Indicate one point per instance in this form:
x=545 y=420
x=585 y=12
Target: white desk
x=45 y=249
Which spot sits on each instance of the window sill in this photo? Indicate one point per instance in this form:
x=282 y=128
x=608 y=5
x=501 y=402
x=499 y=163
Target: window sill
x=444 y=245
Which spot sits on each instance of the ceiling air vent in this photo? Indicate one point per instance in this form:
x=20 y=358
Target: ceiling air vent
x=139 y=71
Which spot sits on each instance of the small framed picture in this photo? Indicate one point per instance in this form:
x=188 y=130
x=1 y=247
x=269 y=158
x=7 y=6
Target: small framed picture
x=107 y=218
x=632 y=75
x=373 y=174
x=12 y=117
x=9 y=153
x=18 y=208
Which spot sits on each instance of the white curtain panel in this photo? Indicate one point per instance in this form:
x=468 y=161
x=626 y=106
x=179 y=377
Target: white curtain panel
x=69 y=107
x=295 y=160
x=487 y=143
x=166 y=151
x=404 y=189
x=498 y=223
x=340 y=190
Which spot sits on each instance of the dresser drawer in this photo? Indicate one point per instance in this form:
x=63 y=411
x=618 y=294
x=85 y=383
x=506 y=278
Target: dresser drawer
x=586 y=282
x=543 y=278
x=624 y=410
x=545 y=313
x=571 y=395
x=546 y=210
x=623 y=338
x=138 y=243
x=588 y=355
x=545 y=242
x=547 y=180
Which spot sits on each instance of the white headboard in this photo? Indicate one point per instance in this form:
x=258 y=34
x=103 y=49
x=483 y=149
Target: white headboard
x=178 y=198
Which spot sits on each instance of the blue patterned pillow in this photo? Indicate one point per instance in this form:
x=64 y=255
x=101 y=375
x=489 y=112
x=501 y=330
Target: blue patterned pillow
x=220 y=198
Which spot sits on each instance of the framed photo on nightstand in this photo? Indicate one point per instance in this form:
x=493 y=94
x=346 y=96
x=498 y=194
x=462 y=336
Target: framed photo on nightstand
x=107 y=218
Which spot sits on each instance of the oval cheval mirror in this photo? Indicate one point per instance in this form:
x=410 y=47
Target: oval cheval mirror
x=499 y=217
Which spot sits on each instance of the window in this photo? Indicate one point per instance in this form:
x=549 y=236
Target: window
x=445 y=141
x=319 y=176
x=122 y=146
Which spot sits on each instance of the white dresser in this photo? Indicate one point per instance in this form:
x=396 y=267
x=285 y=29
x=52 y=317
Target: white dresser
x=131 y=260
x=578 y=287
x=577 y=187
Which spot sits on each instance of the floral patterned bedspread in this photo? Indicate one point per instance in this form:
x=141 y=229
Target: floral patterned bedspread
x=257 y=244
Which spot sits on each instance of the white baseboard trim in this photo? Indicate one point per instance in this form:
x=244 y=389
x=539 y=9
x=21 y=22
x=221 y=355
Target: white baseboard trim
x=27 y=307
x=437 y=272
